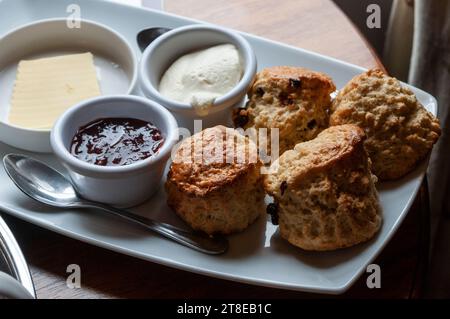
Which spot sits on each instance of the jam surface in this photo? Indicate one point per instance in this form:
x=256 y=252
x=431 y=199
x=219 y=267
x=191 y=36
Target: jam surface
x=116 y=141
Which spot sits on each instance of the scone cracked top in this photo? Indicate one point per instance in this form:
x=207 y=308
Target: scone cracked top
x=400 y=131
x=294 y=100
x=215 y=183
x=324 y=192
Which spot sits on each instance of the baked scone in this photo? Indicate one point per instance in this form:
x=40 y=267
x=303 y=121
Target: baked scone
x=400 y=131
x=215 y=183
x=294 y=100
x=324 y=192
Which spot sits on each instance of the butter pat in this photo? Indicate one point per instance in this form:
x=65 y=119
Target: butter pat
x=45 y=88
x=200 y=77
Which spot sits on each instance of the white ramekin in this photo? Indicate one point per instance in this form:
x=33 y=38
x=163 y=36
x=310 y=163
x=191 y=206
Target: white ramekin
x=50 y=37
x=162 y=52
x=121 y=186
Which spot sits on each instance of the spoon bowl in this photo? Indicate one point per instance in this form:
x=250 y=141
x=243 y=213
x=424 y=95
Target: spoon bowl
x=32 y=178
x=146 y=36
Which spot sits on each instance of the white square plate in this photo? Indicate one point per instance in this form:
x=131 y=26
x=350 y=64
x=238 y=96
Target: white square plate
x=258 y=255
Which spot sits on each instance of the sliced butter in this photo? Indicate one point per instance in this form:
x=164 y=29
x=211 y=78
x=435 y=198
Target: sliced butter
x=45 y=88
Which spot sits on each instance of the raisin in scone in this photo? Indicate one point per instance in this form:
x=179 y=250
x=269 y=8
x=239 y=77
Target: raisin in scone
x=294 y=100
x=214 y=182
x=324 y=192
x=400 y=131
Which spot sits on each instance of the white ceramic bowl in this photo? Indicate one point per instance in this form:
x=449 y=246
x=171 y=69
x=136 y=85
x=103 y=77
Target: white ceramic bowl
x=115 y=61
x=162 y=52
x=121 y=186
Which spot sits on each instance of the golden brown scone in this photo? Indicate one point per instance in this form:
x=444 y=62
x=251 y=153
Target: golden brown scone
x=294 y=100
x=221 y=191
x=324 y=191
x=400 y=131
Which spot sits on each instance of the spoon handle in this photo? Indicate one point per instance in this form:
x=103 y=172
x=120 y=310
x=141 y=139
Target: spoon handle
x=195 y=240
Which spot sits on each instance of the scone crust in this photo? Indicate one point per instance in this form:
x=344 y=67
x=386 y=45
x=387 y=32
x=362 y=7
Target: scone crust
x=211 y=193
x=295 y=100
x=319 y=154
x=400 y=131
x=325 y=191
x=199 y=177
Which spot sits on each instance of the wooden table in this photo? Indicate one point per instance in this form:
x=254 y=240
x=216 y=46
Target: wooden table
x=316 y=25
